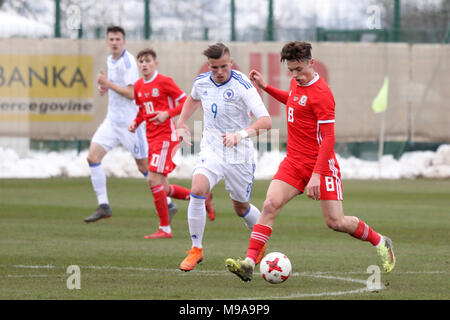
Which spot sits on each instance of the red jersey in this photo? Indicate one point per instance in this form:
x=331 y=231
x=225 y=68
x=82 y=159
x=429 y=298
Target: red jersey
x=310 y=115
x=160 y=93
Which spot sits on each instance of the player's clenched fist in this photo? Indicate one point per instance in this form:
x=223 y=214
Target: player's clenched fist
x=257 y=78
x=313 y=187
x=132 y=127
x=102 y=90
x=184 y=134
x=231 y=139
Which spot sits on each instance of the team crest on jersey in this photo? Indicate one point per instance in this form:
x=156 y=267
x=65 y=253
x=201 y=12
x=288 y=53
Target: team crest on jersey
x=155 y=92
x=139 y=94
x=303 y=100
x=228 y=94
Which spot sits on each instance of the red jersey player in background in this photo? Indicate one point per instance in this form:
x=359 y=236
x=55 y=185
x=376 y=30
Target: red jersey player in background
x=159 y=100
x=310 y=164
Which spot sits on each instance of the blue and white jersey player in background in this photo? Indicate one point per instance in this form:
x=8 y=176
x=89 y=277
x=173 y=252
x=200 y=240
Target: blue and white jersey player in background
x=228 y=100
x=113 y=131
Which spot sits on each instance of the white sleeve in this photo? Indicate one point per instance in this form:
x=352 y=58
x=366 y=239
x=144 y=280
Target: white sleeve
x=131 y=73
x=254 y=103
x=194 y=92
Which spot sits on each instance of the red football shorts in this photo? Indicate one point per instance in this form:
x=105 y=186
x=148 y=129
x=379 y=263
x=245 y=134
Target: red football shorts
x=160 y=154
x=297 y=175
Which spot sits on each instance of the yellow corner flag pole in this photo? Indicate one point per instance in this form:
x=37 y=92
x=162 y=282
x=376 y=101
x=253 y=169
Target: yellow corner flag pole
x=379 y=105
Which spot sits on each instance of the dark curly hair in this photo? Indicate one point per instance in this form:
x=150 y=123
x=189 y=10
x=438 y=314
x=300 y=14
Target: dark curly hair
x=296 y=50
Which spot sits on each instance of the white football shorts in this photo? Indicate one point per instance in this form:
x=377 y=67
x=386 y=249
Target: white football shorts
x=238 y=177
x=109 y=136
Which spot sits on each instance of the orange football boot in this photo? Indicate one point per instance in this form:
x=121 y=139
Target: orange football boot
x=195 y=255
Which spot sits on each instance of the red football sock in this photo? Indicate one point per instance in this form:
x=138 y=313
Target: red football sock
x=259 y=236
x=179 y=192
x=365 y=233
x=160 y=199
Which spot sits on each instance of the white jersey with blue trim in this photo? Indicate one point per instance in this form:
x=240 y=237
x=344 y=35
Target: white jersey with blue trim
x=227 y=108
x=123 y=72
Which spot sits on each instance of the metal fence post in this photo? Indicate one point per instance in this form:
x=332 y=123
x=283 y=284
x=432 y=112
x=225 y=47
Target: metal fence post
x=57 y=19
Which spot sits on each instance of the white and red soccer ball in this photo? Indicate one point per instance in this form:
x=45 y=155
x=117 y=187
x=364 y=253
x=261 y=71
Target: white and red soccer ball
x=275 y=267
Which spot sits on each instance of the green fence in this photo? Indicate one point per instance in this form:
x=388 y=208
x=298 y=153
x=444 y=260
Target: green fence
x=383 y=35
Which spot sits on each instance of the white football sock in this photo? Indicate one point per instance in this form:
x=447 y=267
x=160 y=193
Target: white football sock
x=250 y=260
x=197 y=219
x=251 y=216
x=98 y=179
x=166 y=229
x=381 y=241
x=169 y=200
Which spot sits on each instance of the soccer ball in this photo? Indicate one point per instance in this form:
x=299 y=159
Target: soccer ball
x=275 y=267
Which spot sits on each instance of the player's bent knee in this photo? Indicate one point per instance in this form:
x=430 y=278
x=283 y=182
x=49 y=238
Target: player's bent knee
x=271 y=207
x=199 y=191
x=143 y=169
x=240 y=209
x=92 y=160
x=142 y=165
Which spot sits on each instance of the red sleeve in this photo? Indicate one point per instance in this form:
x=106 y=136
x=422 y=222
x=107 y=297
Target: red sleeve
x=177 y=110
x=136 y=97
x=139 y=116
x=326 y=146
x=324 y=109
x=278 y=94
x=177 y=95
x=324 y=106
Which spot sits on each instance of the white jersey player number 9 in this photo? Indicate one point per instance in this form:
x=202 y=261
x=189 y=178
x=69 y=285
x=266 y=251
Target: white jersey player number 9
x=214 y=109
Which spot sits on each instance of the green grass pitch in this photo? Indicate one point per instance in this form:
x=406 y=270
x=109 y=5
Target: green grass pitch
x=42 y=233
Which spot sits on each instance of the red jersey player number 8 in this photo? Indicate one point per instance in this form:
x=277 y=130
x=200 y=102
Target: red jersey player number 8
x=290 y=114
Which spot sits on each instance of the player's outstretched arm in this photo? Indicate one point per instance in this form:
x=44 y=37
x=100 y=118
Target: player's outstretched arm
x=278 y=94
x=263 y=123
x=160 y=117
x=188 y=110
x=257 y=78
x=137 y=121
